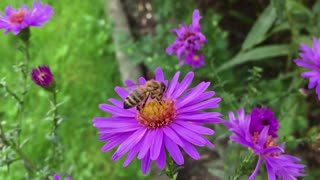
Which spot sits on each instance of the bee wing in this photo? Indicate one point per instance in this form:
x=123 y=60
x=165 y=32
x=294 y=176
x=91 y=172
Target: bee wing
x=130 y=85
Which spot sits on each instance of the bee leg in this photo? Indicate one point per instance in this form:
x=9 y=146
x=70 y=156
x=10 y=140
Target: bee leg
x=141 y=106
x=138 y=108
x=159 y=100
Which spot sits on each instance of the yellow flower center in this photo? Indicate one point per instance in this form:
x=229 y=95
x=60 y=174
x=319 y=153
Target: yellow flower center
x=195 y=57
x=157 y=114
x=17 y=17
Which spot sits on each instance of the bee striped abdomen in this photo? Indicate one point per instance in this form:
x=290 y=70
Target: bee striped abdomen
x=134 y=98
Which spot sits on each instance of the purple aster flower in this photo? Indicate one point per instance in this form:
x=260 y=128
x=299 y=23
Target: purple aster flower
x=264 y=145
x=15 y=20
x=189 y=41
x=57 y=177
x=42 y=76
x=310 y=59
x=262 y=117
x=170 y=125
x=194 y=60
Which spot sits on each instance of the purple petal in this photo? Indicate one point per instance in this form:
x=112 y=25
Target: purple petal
x=130 y=84
x=211 y=117
x=195 y=20
x=190 y=150
x=172 y=135
x=145 y=164
x=119 y=130
x=132 y=153
x=270 y=171
x=304 y=64
x=114 y=142
x=188 y=135
x=116 y=102
x=114 y=124
x=202 y=97
x=194 y=94
x=142 y=80
x=129 y=143
x=173 y=84
x=208 y=143
x=156 y=144
x=56 y=177
x=121 y=92
x=149 y=137
x=159 y=74
x=161 y=161
x=195 y=128
x=116 y=110
x=211 y=103
x=183 y=85
x=255 y=172
x=263 y=136
x=174 y=151
x=8 y=10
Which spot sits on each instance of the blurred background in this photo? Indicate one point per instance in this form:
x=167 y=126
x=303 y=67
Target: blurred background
x=249 y=60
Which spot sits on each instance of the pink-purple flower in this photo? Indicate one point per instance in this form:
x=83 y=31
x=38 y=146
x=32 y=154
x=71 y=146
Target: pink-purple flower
x=15 y=20
x=310 y=59
x=263 y=143
x=194 y=60
x=189 y=40
x=170 y=125
x=42 y=76
x=57 y=177
x=262 y=117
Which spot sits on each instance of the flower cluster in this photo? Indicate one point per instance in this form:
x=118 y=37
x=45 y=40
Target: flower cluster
x=188 y=42
x=258 y=132
x=161 y=126
x=42 y=76
x=310 y=59
x=57 y=177
x=15 y=20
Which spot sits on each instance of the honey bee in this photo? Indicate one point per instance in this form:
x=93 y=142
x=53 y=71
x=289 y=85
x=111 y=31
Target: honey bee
x=139 y=96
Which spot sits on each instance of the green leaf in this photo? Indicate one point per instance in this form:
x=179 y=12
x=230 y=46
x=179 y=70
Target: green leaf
x=260 y=28
x=256 y=54
x=280 y=7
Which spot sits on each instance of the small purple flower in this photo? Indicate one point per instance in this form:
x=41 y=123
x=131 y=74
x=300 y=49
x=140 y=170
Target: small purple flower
x=169 y=126
x=310 y=59
x=262 y=117
x=194 y=60
x=57 y=177
x=189 y=40
x=15 y=20
x=264 y=145
x=42 y=76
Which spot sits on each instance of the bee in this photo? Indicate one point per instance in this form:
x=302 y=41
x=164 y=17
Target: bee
x=139 y=96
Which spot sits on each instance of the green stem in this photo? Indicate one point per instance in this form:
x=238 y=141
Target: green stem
x=55 y=112
x=14 y=95
x=24 y=36
x=55 y=125
x=169 y=170
x=29 y=165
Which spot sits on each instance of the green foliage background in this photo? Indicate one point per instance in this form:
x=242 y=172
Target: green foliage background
x=76 y=43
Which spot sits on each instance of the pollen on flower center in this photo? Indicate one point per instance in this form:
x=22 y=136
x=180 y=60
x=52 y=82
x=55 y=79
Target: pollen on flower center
x=17 y=17
x=42 y=75
x=157 y=114
x=196 y=57
x=270 y=142
x=187 y=34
